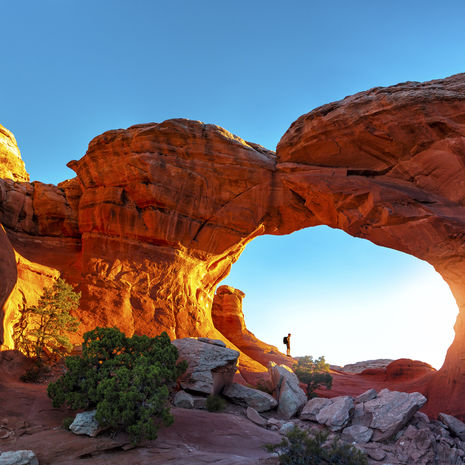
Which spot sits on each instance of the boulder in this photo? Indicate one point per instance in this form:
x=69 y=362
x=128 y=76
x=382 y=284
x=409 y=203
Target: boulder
x=360 y=416
x=367 y=395
x=18 y=457
x=357 y=433
x=454 y=424
x=255 y=417
x=211 y=366
x=336 y=414
x=245 y=396
x=313 y=407
x=183 y=399
x=200 y=402
x=286 y=427
x=291 y=398
x=85 y=423
x=391 y=411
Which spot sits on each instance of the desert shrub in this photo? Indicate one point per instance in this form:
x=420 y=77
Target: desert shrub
x=67 y=421
x=215 y=403
x=41 y=331
x=127 y=380
x=314 y=373
x=299 y=448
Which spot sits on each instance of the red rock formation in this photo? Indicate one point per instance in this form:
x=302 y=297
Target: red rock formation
x=406 y=369
x=228 y=319
x=388 y=165
x=44 y=237
x=11 y=164
x=8 y=273
x=159 y=212
x=165 y=210
x=148 y=228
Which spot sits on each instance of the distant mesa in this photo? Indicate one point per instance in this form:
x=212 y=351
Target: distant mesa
x=158 y=213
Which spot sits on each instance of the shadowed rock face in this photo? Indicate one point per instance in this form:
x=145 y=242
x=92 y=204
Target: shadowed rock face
x=159 y=212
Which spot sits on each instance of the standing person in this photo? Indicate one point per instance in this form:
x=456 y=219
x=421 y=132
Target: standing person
x=287 y=341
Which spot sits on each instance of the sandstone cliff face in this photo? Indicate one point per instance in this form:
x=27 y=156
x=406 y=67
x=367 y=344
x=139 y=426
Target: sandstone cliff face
x=166 y=209
x=159 y=212
x=11 y=164
x=8 y=273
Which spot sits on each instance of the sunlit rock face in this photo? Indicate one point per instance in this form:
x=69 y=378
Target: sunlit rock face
x=388 y=165
x=8 y=273
x=11 y=163
x=159 y=212
x=42 y=236
x=165 y=210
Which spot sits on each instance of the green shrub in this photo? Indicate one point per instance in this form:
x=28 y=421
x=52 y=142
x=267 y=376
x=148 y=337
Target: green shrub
x=314 y=373
x=299 y=448
x=67 y=422
x=40 y=332
x=215 y=403
x=127 y=380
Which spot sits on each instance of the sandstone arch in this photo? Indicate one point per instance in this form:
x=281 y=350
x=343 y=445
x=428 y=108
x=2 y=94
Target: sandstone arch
x=388 y=165
x=159 y=212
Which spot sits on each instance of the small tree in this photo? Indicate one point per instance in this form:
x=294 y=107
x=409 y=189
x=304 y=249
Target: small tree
x=41 y=331
x=314 y=373
x=127 y=380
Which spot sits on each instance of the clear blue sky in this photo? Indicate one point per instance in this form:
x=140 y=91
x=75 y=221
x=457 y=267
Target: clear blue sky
x=73 y=69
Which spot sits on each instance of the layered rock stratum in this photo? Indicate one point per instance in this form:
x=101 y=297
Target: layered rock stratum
x=158 y=213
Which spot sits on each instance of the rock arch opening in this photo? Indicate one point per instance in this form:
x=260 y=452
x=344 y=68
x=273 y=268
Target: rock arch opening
x=344 y=297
